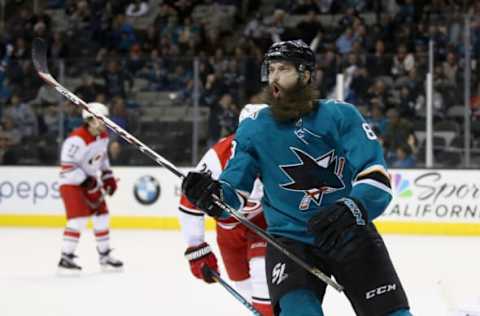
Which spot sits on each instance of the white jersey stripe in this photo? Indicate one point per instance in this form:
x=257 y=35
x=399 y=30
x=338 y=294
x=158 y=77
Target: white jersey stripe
x=374 y=183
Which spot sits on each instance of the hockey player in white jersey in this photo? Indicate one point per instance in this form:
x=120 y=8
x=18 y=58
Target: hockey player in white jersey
x=85 y=178
x=243 y=252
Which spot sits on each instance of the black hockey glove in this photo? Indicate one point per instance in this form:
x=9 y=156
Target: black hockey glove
x=336 y=225
x=201 y=190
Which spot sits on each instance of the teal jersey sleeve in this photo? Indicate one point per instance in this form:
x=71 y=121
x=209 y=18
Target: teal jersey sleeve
x=371 y=181
x=241 y=171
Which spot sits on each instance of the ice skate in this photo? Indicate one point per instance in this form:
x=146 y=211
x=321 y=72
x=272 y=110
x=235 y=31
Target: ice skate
x=109 y=263
x=67 y=265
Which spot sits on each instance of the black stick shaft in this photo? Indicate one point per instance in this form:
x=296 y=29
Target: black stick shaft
x=216 y=277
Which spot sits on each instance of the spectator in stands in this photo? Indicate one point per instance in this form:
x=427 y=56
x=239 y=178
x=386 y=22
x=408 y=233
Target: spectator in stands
x=58 y=47
x=156 y=72
x=380 y=94
x=46 y=95
x=414 y=83
x=277 y=27
x=79 y=19
x=188 y=36
x=406 y=12
x=10 y=128
x=51 y=120
x=421 y=59
x=123 y=34
x=227 y=116
x=88 y=88
x=23 y=115
x=7 y=151
x=451 y=69
x=361 y=81
x=406 y=103
x=439 y=35
x=5 y=90
x=376 y=119
x=309 y=27
x=213 y=90
x=233 y=78
x=119 y=115
x=442 y=86
x=136 y=60
x=171 y=31
x=31 y=82
x=115 y=80
x=178 y=79
x=21 y=23
x=20 y=49
x=257 y=31
x=330 y=64
x=164 y=13
x=149 y=40
x=403 y=158
x=378 y=63
x=363 y=42
x=403 y=62
x=118 y=156
x=398 y=130
x=345 y=42
x=72 y=116
x=421 y=35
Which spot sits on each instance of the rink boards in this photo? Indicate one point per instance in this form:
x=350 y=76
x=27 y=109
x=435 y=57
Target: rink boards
x=443 y=202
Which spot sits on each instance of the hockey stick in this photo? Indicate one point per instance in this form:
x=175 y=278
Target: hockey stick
x=216 y=277
x=39 y=56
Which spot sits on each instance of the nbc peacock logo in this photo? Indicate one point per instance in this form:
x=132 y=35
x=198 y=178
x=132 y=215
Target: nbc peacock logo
x=402 y=186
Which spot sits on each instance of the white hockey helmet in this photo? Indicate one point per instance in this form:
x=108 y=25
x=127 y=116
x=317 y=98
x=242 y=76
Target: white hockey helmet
x=250 y=110
x=97 y=108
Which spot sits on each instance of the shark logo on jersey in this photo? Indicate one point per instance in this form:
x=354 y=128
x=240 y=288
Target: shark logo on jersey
x=314 y=176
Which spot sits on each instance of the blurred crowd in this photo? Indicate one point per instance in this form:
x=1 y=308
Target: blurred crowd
x=381 y=47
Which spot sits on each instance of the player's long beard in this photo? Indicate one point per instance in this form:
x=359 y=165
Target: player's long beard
x=292 y=103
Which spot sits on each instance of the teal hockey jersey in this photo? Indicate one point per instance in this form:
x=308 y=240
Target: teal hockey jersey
x=326 y=155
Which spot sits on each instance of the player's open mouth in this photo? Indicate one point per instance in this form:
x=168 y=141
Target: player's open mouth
x=275 y=91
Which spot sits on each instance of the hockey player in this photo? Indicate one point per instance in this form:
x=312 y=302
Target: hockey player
x=243 y=252
x=85 y=178
x=325 y=181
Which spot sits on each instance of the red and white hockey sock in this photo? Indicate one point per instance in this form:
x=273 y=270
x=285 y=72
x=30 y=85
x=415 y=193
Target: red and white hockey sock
x=71 y=234
x=70 y=240
x=103 y=240
x=258 y=278
x=102 y=233
x=263 y=306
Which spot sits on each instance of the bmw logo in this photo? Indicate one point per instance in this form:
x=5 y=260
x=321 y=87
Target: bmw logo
x=146 y=190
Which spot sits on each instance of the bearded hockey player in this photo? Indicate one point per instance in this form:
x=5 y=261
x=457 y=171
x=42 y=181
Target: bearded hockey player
x=325 y=181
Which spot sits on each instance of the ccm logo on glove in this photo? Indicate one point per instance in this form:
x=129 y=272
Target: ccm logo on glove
x=380 y=290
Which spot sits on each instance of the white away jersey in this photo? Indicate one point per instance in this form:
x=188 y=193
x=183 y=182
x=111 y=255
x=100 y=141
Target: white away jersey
x=83 y=155
x=191 y=218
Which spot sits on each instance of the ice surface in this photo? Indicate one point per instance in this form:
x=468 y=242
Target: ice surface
x=439 y=273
